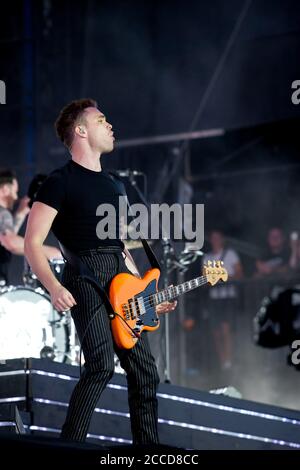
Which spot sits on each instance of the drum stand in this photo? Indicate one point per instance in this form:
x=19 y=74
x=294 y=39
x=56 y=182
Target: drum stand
x=74 y=348
x=63 y=319
x=72 y=352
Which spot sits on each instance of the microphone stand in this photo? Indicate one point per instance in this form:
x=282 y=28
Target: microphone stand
x=169 y=259
x=170 y=262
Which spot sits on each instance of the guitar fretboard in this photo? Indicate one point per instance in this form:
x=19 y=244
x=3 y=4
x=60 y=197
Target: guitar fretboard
x=171 y=293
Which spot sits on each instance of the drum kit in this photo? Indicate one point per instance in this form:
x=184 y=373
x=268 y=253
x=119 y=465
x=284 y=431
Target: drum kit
x=29 y=324
x=31 y=327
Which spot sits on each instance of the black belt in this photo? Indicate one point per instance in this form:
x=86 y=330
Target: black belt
x=101 y=249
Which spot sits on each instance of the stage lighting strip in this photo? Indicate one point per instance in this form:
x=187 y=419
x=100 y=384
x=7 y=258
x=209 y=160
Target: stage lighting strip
x=194 y=427
x=12 y=372
x=93 y=436
x=7 y=423
x=166 y=396
x=12 y=399
x=189 y=401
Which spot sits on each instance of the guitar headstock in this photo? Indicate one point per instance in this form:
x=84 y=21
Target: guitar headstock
x=214 y=271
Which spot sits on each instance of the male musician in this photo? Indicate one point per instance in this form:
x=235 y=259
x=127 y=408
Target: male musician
x=10 y=224
x=67 y=202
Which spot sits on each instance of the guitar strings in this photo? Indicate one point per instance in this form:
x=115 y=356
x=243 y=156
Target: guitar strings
x=148 y=304
x=147 y=300
x=202 y=280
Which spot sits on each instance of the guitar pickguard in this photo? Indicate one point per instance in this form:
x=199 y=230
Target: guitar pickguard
x=150 y=317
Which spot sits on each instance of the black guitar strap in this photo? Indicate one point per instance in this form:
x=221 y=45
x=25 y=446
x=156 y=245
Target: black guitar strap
x=148 y=250
x=82 y=270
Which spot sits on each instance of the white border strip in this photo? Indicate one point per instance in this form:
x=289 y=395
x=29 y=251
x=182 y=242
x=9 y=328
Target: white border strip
x=7 y=423
x=180 y=399
x=12 y=399
x=94 y=436
x=193 y=427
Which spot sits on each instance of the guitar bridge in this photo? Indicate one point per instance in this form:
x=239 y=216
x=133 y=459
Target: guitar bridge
x=126 y=313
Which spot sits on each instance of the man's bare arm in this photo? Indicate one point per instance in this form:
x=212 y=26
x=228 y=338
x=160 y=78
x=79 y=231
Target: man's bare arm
x=15 y=244
x=38 y=226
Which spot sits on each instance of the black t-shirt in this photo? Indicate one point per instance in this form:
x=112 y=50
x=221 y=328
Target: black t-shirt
x=276 y=260
x=76 y=192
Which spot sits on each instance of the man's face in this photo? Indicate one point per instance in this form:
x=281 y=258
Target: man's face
x=217 y=241
x=275 y=238
x=99 y=131
x=11 y=193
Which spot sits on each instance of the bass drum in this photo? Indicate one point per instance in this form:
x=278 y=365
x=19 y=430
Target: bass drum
x=30 y=326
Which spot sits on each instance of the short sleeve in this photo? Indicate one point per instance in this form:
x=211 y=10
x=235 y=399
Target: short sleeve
x=53 y=191
x=205 y=259
x=6 y=220
x=233 y=257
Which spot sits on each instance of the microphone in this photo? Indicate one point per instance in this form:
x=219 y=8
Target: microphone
x=128 y=173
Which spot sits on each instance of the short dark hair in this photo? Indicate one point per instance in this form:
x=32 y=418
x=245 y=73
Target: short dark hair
x=69 y=117
x=6 y=176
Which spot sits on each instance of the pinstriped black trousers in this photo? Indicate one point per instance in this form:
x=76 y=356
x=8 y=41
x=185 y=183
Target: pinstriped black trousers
x=93 y=328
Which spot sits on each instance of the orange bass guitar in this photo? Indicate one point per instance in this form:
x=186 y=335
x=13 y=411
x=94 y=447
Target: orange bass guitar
x=134 y=300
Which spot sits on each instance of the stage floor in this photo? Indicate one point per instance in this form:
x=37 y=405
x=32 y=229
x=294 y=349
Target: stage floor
x=188 y=419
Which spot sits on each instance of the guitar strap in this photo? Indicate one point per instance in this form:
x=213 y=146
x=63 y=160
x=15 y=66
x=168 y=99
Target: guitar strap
x=148 y=250
x=82 y=270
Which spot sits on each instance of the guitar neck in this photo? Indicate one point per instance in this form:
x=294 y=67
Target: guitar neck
x=171 y=293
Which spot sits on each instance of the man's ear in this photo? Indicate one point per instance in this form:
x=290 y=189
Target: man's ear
x=5 y=189
x=80 y=130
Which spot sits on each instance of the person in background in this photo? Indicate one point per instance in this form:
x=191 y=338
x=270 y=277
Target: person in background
x=11 y=222
x=277 y=256
x=222 y=298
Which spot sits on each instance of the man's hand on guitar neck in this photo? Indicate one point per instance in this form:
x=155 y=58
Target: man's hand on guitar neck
x=165 y=307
